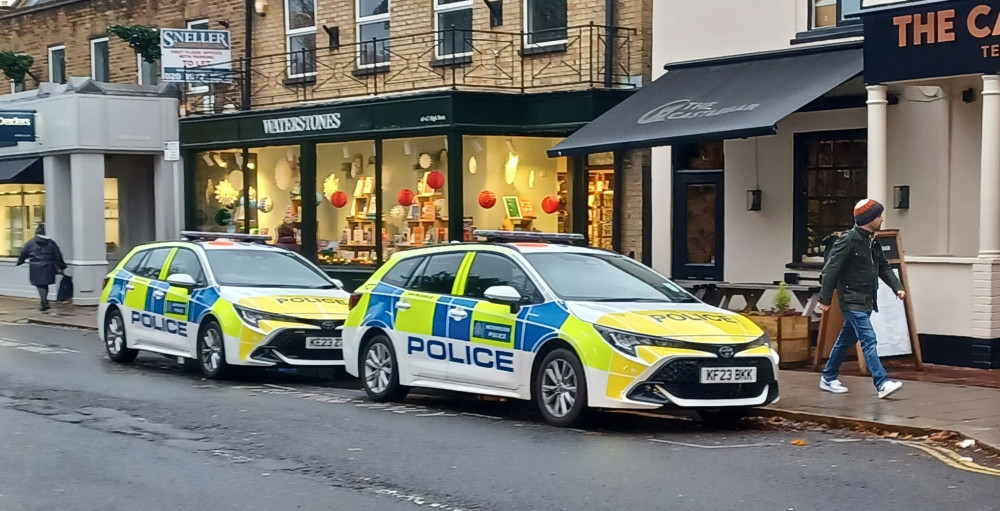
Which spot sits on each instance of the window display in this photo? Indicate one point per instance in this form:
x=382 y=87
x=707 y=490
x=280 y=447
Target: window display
x=414 y=193
x=345 y=217
x=22 y=208
x=271 y=178
x=112 y=231
x=510 y=183
x=600 y=199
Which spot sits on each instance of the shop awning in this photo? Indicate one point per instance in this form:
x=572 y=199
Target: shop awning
x=715 y=101
x=22 y=171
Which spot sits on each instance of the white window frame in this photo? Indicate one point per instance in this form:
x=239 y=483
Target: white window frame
x=93 y=62
x=13 y=84
x=439 y=9
x=138 y=67
x=527 y=31
x=289 y=34
x=52 y=69
x=202 y=21
x=367 y=20
x=813 y=4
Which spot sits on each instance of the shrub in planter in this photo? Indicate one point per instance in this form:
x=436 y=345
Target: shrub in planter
x=788 y=328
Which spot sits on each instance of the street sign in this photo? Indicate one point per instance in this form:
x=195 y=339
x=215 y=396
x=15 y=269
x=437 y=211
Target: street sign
x=16 y=126
x=199 y=56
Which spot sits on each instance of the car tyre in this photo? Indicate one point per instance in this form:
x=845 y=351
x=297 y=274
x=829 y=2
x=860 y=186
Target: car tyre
x=721 y=417
x=380 y=371
x=212 y=351
x=560 y=389
x=115 y=341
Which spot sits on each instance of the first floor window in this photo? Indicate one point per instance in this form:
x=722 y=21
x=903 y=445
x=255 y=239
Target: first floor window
x=373 y=32
x=831 y=13
x=454 y=27
x=545 y=21
x=300 y=32
x=100 y=66
x=149 y=73
x=831 y=177
x=57 y=64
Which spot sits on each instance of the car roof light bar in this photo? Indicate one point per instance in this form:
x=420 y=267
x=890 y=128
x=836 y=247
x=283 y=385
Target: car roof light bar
x=541 y=237
x=209 y=236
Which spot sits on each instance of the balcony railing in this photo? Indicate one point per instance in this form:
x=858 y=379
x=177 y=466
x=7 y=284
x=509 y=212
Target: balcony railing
x=447 y=59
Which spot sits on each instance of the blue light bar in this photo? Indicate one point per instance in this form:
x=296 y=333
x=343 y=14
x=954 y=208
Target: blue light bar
x=207 y=236
x=538 y=237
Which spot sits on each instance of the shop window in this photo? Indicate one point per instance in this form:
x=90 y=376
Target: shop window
x=510 y=183
x=372 y=18
x=112 y=226
x=414 y=193
x=831 y=177
x=545 y=22
x=300 y=34
x=453 y=22
x=100 y=67
x=832 y=13
x=148 y=73
x=57 y=64
x=22 y=208
x=600 y=199
x=220 y=179
x=345 y=181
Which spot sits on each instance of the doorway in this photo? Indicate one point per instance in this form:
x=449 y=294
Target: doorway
x=699 y=212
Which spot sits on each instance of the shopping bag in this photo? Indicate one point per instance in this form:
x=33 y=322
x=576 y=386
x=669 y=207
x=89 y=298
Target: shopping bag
x=65 y=292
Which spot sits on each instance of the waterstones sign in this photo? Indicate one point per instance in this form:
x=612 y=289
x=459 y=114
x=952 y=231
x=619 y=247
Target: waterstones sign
x=302 y=124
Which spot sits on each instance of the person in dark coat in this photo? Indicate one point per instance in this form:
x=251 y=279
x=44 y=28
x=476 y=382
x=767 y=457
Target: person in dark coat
x=45 y=260
x=286 y=239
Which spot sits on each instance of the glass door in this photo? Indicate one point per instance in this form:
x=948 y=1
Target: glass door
x=698 y=225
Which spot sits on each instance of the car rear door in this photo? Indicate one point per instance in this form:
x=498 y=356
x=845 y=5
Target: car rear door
x=177 y=332
x=141 y=294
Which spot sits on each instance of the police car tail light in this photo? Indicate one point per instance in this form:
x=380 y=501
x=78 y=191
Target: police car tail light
x=353 y=301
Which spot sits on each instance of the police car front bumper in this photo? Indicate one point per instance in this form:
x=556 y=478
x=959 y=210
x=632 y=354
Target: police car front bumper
x=675 y=381
x=288 y=347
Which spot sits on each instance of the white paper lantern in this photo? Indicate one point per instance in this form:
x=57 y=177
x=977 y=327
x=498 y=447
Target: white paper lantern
x=473 y=165
x=283 y=174
x=236 y=179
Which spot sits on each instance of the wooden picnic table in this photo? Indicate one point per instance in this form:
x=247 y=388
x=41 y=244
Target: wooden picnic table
x=807 y=295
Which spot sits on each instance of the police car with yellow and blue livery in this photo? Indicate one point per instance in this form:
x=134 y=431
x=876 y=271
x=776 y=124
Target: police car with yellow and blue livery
x=215 y=300
x=531 y=316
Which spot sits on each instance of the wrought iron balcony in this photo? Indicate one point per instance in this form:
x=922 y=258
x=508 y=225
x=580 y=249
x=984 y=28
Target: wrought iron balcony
x=571 y=58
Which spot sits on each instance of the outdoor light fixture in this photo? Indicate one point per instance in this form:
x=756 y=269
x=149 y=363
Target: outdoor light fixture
x=901 y=197
x=753 y=200
x=260 y=7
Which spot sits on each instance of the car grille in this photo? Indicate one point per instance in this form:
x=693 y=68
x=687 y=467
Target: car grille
x=291 y=344
x=681 y=378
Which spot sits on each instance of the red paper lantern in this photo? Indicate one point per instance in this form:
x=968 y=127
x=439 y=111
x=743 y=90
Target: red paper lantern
x=550 y=204
x=487 y=199
x=338 y=199
x=405 y=197
x=435 y=180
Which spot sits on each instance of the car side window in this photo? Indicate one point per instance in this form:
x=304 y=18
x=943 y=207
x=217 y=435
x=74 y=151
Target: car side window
x=133 y=263
x=438 y=274
x=401 y=273
x=490 y=270
x=151 y=266
x=186 y=261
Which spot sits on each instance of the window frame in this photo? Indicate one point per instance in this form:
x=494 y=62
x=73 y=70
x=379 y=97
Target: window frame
x=51 y=50
x=192 y=24
x=840 y=22
x=368 y=20
x=440 y=9
x=527 y=42
x=107 y=57
x=537 y=298
x=298 y=32
x=139 y=63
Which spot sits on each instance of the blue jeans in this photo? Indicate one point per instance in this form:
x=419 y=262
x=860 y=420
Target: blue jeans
x=857 y=326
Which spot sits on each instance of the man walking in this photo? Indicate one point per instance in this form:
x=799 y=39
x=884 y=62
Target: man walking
x=853 y=268
x=45 y=260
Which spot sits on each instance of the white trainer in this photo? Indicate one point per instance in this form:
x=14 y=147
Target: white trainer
x=889 y=388
x=832 y=386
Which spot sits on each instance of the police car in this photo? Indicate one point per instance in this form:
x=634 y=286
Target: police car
x=530 y=316
x=214 y=300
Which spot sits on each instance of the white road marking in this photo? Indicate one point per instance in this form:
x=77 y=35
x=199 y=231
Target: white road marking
x=32 y=347
x=697 y=446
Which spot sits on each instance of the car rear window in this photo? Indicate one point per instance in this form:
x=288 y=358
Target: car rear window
x=133 y=262
x=151 y=266
x=438 y=274
x=402 y=271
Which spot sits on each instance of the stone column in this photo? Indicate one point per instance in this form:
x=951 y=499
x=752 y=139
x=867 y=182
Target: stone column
x=878 y=137
x=87 y=262
x=168 y=190
x=989 y=173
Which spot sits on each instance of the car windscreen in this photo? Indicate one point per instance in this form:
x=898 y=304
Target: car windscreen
x=265 y=268
x=595 y=277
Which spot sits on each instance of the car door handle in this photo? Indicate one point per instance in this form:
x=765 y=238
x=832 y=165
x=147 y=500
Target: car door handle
x=129 y=286
x=458 y=314
x=402 y=305
x=158 y=294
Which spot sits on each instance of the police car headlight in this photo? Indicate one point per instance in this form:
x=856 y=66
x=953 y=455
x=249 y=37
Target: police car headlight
x=627 y=341
x=764 y=340
x=253 y=317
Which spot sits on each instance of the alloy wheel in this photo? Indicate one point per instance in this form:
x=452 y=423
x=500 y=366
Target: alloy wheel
x=559 y=388
x=378 y=368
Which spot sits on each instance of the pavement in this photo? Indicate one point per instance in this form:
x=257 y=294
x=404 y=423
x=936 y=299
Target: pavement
x=921 y=406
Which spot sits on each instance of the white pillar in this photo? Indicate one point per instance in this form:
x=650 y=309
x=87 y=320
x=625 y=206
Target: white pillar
x=58 y=214
x=169 y=192
x=878 y=137
x=989 y=173
x=88 y=261
x=662 y=209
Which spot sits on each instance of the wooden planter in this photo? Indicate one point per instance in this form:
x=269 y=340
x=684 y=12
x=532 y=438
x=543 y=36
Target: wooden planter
x=790 y=333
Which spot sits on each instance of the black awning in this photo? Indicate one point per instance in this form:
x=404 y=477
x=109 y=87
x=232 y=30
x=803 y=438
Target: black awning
x=733 y=100
x=25 y=171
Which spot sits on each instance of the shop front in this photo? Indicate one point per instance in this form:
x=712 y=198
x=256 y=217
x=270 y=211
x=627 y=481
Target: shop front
x=350 y=183
x=86 y=159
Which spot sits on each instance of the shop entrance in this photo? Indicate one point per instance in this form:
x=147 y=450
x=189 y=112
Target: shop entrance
x=128 y=204
x=698 y=217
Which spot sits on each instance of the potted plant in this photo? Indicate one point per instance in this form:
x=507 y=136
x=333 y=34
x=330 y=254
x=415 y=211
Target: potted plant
x=788 y=328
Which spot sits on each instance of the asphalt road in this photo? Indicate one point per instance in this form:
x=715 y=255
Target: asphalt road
x=81 y=433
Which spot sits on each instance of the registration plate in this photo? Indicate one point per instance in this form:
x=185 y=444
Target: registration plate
x=324 y=343
x=728 y=374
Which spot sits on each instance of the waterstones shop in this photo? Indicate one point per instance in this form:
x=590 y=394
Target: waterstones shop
x=349 y=184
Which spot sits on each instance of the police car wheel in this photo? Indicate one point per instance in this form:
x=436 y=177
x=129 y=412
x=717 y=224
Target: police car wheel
x=560 y=388
x=114 y=339
x=212 y=351
x=380 y=372
x=721 y=417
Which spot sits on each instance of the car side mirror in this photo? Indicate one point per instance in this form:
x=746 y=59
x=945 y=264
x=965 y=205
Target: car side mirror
x=504 y=295
x=182 y=280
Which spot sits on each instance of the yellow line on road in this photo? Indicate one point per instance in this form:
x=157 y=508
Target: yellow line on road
x=952 y=459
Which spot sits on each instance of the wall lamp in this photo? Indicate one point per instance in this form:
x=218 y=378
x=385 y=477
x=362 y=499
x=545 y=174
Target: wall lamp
x=260 y=7
x=753 y=200
x=901 y=197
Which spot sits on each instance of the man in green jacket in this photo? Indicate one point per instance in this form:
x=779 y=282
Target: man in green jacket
x=853 y=268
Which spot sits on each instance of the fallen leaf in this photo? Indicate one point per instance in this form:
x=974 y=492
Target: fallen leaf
x=798 y=442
